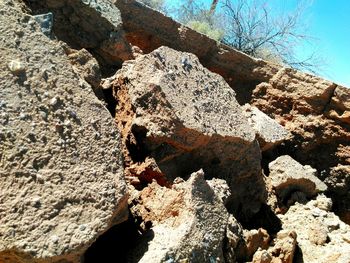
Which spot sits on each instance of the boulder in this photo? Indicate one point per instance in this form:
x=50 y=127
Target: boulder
x=188 y=222
x=268 y=131
x=61 y=175
x=185 y=117
x=287 y=176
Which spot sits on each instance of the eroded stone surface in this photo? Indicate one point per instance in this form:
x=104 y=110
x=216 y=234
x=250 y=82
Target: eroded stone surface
x=188 y=221
x=269 y=132
x=321 y=235
x=187 y=118
x=61 y=176
x=288 y=176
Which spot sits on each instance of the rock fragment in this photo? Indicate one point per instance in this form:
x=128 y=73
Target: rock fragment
x=269 y=132
x=287 y=176
x=188 y=225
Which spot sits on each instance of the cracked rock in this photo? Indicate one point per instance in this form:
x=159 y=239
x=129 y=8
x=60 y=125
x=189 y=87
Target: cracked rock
x=187 y=119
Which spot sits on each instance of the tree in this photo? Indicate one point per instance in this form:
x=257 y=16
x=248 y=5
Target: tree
x=253 y=27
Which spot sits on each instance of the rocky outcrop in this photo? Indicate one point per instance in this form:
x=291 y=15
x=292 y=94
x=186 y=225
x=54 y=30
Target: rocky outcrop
x=269 y=132
x=148 y=29
x=61 y=175
x=187 y=118
x=187 y=226
x=314 y=111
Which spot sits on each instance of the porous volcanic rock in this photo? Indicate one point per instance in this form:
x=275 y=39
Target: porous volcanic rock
x=94 y=25
x=315 y=112
x=61 y=175
x=269 y=132
x=185 y=117
x=287 y=175
x=321 y=235
x=188 y=221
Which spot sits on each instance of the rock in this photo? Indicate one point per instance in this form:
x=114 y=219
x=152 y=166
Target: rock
x=255 y=239
x=234 y=246
x=185 y=117
x=288 y=176
x=269 y=132
x=91 y=25
x=149 y=29
x=60 y=186
x=46 y=22
x=316 y=113
x=188 y=225
x=320 y=233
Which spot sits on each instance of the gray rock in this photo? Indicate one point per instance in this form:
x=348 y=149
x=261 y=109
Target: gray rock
x=187 y=118
x=269 y=132
x=288 y=176
x=60 y=187
x=46 y=22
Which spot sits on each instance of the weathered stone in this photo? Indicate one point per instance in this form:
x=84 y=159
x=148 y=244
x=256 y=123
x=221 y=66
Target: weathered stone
x=288 y=176
x=320 y=234
x=149 y=29
x=255 y=239
x=94 y=25
x=186 y=118
x=188 y=225
x=61 y=185
x=269 y=132
x=234 y=246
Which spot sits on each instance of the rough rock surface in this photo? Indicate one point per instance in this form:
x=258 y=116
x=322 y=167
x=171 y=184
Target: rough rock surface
x=187 y=118
x=322 y=236
x=61 y=176
x=188 y=225
x=94 y=25
x=315 y=111
x=282 y=249
x=149 y=29
x=287 y=176
x=269 y=132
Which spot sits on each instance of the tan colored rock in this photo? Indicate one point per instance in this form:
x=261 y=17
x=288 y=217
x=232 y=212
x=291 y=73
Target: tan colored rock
x=269 y=132
x=188 y=221
x=288 y=177
x=93 y=25
x=321 y=234
x=61 y=175
x=282 y=249
x=185 y=117
x=149 y=29
x=255 y=239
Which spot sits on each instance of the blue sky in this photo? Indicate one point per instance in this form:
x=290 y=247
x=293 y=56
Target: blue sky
x=328 y=22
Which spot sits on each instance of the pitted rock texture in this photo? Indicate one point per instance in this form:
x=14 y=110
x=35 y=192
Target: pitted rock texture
x=149 y=29
x=321 y=235
x=188 y=225
x=187 y=118
x=269 y=132
x=61 y=176
x=90 y=24
x=315 y=112
x=288 y=176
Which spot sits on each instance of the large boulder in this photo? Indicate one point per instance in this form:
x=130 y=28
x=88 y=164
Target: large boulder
x=188 y=222
x=61 y=175
x=185 y=117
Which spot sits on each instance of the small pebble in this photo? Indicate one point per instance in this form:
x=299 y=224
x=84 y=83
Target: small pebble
x=16 y=67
